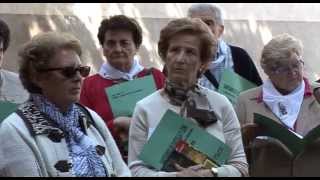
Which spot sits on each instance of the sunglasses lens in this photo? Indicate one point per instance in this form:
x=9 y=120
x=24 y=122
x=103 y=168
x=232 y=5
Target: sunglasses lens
x=84 y=71
x=69 y=72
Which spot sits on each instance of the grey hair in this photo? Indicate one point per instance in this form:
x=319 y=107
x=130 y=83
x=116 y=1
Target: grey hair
x=214 y=8
x=280 y=47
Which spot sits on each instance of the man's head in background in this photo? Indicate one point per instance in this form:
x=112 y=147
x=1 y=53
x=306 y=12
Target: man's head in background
x=209 y=14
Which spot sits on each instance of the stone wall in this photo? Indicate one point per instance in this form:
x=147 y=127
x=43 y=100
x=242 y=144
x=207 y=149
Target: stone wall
x=247 y=25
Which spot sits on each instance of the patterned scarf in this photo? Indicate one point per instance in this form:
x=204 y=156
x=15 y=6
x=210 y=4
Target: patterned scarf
x=85 y=160
x=194 y=103
x=217 y=66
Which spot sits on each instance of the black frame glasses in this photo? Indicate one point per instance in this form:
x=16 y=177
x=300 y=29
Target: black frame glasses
x=70 y=71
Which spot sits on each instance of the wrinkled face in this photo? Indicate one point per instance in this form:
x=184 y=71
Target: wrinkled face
x=1 y=53
x=183 y=59
x=119 y=49
x=286 y=74
x=208 y=18
x=59 y=89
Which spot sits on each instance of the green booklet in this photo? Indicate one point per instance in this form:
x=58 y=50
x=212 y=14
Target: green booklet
x=232 y=84
x=124 y=96
x=294 y=142
x=6 y=108
x=177 y=140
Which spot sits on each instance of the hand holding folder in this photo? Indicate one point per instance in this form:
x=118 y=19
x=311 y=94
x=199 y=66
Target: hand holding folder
x=179 y=141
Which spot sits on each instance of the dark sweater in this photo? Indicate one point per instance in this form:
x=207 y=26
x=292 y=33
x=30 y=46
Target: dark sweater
x=244 y=66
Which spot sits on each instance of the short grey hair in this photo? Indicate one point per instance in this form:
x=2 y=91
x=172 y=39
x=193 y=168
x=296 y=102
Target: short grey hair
x=216 y=10
x=280 y=47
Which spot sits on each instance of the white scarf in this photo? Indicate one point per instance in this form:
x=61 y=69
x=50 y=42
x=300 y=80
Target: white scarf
x=287 y=107
x=222 y=61
x=109 y=72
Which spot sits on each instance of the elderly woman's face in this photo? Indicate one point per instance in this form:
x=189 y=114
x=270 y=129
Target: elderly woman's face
x=119 y=49
x=183 y=59
x=286 y=74
x=58 y=86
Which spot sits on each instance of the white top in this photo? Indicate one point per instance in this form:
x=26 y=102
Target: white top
x=11 y=88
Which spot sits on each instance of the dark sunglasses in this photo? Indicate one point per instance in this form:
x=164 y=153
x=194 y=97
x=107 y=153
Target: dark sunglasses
x=70 y=72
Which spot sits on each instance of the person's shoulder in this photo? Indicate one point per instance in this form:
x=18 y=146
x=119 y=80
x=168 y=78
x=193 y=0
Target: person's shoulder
x=213 y=95
x=97 y=120
x=237 y=48
x=10 y=76
x=238 y=51
x=93 y=77
x=150 y=99
x=13 y=87
x=13 y=121
x=252 y=93
x=156 y=72
x=93 y=114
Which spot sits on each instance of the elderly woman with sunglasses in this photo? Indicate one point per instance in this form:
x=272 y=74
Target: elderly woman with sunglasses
x=51 y=134
x=287 y=98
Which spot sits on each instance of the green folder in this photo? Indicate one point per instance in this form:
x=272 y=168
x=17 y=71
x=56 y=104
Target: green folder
x=6 y=108
x=124 y=96
x=294 y=142
x=232 y=84
x=171 y=129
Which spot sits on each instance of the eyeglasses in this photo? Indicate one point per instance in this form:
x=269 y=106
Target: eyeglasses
x=286 y=69
x=70 y=72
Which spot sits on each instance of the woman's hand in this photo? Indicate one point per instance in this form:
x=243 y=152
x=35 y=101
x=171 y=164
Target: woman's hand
x=121 y=127
x=193 y=171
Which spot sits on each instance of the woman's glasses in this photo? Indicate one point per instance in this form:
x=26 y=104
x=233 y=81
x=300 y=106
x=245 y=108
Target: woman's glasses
x=285 y=69
x=70 y=72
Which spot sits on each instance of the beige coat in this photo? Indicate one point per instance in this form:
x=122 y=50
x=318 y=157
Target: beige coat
x=270 y=157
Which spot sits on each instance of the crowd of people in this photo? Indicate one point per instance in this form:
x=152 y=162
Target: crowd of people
x=64 y=124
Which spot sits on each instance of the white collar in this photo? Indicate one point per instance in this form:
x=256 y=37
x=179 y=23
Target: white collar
x=109 y=72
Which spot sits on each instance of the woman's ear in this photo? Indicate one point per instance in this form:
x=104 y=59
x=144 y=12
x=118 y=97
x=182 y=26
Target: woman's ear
x=220 y=31
x=37 y=79
x=265 y=69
